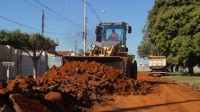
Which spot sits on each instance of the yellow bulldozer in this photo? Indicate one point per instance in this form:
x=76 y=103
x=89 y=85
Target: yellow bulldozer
x=113 y=50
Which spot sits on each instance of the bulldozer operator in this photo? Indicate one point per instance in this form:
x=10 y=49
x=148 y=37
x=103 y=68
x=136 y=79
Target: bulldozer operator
x=113 y=36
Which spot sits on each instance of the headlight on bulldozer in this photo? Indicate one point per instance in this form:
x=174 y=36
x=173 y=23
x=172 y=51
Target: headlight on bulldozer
x=122 y=45
x=93 y=45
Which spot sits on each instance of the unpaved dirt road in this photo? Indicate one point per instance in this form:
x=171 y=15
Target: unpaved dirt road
x=169 y=96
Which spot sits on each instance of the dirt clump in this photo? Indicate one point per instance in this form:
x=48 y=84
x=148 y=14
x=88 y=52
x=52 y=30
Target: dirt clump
x=53 y=96
x=75 y=86
x=24 y=103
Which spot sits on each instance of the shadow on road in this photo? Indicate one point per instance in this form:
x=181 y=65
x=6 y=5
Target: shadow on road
x=148 y=106
x=159 y=82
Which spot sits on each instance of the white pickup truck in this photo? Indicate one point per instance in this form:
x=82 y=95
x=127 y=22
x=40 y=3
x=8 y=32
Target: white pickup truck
x=157 y=65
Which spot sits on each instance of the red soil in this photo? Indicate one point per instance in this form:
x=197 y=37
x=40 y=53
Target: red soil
x=170 y=97
x=75 y=86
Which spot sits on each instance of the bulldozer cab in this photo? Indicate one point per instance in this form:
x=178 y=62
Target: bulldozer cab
x=112 y=33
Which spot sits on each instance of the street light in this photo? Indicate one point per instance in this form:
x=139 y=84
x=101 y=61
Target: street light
x=8 y=66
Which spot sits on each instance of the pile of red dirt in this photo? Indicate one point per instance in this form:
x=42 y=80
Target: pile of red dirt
x=75 y=86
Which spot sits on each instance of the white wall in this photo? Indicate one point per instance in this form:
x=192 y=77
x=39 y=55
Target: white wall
x=23 y=63
x=27 y=64
x=142 y=67
x=197 y=69
x=9 y=54
x=53 y=59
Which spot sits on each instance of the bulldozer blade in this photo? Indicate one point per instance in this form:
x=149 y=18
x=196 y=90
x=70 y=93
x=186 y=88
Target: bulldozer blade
x=114 y=61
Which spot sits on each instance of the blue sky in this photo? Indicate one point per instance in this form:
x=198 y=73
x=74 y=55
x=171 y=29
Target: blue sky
x=64 y=18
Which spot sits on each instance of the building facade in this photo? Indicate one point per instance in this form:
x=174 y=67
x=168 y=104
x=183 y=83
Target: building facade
x=27 y=64
x=23 y=63
x=9 y=54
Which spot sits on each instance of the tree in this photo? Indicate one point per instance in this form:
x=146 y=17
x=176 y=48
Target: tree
x=81 y=52
x=33 y=44
x=146 y=47
x=174 y=26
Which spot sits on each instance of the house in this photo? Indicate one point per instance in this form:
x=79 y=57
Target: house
x=57 y=58
x=23 y=63
x=27 y=64
x=65 y=53
x=54 y=59
x=142 y=66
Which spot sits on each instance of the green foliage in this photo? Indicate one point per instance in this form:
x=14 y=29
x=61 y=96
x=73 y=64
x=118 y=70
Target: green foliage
x=33 y=43
x=39 y=42
x=81 y=52
x=174 y=26
x=24 y=41
x=146 y=47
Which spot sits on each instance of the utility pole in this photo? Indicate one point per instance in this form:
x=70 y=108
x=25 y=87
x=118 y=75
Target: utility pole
x=84 y=23
x=75 y=47
x=74 y=35
x=42 y=22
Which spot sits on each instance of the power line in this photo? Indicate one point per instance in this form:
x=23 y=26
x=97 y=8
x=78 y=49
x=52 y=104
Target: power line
x=24 y=18
x=54 y=19
x=59 y=14
x=19 y=4
x=16 y=15
x=59 y=6
x=41 y=9
x=93 y=10
x=58 y=19
x=62 y=1
x=31 y=27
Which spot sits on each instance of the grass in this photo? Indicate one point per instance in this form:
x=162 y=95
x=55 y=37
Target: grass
x=184 y=78
x=181 y=74
x=197 y=74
